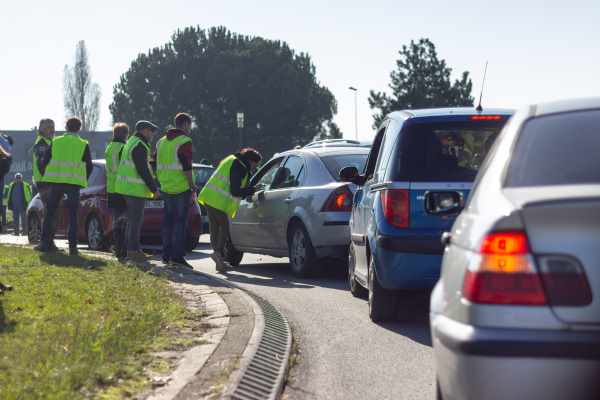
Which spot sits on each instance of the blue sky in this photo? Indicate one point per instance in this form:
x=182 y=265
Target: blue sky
x=537 y=50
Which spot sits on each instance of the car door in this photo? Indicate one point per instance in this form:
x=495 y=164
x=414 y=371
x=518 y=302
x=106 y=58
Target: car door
x=245 y=227
x=362 y=212
x=277 y=204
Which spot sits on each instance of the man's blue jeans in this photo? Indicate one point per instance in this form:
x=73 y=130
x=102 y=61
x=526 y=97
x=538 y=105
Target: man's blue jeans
x=174 y=224
x=71 y=204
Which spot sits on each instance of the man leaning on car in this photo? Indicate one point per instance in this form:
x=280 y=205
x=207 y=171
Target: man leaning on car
x=65 y=168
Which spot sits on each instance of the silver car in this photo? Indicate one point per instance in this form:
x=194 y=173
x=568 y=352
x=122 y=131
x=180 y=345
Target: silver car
x=301 y=209
x=516 y=313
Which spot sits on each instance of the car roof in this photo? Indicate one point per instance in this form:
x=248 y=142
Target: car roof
x=327 y=151
x=555 y=107
x=449 y=111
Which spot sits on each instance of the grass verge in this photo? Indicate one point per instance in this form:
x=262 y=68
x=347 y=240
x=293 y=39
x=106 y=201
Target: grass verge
x=74 y=327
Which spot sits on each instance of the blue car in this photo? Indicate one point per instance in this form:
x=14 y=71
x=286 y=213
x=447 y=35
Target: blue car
x=418 y=175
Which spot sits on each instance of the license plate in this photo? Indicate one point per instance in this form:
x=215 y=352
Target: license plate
x=154 y=204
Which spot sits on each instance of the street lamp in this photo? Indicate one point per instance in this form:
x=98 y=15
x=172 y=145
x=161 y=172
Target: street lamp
x=240 y=124
x=355 y=90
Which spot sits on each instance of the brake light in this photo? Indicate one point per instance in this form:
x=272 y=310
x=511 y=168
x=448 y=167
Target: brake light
x=340 y=200
x=486 y=117
x=506 y=274
x=396 y=207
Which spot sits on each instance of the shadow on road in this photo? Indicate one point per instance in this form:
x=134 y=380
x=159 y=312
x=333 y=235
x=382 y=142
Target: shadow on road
x=416 y=331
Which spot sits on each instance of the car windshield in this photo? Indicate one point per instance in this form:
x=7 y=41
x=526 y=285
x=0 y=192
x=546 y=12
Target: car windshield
x=449 y=151
x=202 y=175
x=557 y=149
x=335 y=163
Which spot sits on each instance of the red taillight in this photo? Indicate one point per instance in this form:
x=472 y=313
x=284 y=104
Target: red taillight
x=396 y=207
x=506 y=274
x=339 y=201
x=486 y=117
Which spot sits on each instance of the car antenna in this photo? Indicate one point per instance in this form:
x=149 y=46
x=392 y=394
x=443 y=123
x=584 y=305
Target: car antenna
x=479 y=107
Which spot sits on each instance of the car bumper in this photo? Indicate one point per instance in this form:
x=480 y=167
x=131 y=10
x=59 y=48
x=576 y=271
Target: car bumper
x=492 y=363
x=409 y=263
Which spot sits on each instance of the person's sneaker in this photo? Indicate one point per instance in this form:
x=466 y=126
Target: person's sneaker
x=182 y=262
x=166 y=260
x=73 y=251
x=52 y=247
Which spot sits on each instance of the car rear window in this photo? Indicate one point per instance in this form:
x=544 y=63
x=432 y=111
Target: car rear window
x=335 y=163
x=448 y=151
x=557 y=149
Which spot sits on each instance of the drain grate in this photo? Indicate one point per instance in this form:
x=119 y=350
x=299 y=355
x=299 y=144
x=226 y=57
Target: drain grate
x=263 y=378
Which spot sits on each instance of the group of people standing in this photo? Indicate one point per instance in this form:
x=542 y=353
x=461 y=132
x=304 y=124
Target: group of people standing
x=135 y=174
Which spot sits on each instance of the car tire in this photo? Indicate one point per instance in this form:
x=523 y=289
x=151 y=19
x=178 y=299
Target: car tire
x=95 y=234
x=301 y=251
x=356 y=289
x=34 y=229
x=382 y=302
x=232 y=255
x=191 y=242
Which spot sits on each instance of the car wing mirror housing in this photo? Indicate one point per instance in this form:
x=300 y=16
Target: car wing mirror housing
x=348 y=174
x=444 y=203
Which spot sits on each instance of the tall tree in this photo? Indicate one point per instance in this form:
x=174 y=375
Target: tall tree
x=214 y=74
x=82 y=96
x=421 y=80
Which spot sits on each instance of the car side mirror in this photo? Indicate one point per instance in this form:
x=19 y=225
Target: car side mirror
x=444 y=203
x=348 y=174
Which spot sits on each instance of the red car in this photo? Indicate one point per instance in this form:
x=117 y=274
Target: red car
x=95 y=218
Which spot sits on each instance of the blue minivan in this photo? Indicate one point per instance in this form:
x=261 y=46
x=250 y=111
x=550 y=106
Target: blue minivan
x=416 y=180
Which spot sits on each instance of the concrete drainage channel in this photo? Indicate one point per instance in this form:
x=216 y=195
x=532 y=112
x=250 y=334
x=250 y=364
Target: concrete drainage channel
x=264 y=375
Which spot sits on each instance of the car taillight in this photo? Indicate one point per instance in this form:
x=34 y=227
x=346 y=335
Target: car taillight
x=506 y=274
x=339 y=201
x=396 y=207
x=486 y=117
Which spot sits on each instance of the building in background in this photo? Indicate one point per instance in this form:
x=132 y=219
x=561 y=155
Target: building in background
x=23 y=145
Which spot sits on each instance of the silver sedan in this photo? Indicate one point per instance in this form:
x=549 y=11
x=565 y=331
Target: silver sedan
x=516 y=313
x=301 y=209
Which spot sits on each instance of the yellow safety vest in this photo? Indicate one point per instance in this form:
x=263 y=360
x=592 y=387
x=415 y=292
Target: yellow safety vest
x=66 y=164
x=37 y=175
x=112 y=164
x=129 y=182
x=217 y=191
x=169 y=171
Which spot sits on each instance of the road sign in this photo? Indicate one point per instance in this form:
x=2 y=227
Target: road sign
x=240 y=120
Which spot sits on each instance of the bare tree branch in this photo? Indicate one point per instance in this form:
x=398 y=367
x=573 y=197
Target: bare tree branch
x=81 y=95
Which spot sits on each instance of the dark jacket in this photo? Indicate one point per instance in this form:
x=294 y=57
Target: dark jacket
x=41 y=151
x=140 y=160
x=239 y=169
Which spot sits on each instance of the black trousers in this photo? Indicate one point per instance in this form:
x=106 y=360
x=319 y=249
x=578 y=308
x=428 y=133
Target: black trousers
x=56 y=192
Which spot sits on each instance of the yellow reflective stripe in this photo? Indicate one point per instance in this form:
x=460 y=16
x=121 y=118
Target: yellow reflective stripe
x=169 y=167
x=66 y=164
x=130 y=179
x=220 y=191
x=64 y=175
x=115 y=161
x=127 y=163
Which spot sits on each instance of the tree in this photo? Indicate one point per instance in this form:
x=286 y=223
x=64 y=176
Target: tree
x=214 y=74
x=332 y=131
x=82 y=96
x=421 y=81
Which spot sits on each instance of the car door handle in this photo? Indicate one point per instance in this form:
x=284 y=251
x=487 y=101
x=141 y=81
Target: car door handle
x=288 y=200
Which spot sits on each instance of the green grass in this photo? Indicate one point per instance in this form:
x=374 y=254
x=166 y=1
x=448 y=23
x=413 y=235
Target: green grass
x=79 y=328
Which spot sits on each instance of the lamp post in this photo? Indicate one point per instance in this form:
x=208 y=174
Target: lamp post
x=355 y=90
x=240 y=125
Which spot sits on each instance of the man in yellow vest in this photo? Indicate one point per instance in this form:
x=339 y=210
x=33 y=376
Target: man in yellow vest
x=137 y=184
x=65 y=169
x=18 y=198
x=115 y=201
x=222 y=194
x=174 y=172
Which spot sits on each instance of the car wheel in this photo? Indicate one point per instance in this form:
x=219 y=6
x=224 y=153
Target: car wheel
x=355 y=288
x=34 y=229
x=382 y=302
x=95 y=235
x=191 y=242
x=301 y=251
x=232 y=255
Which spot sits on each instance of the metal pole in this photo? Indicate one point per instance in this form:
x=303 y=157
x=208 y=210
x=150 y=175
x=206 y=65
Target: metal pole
x=355 y=90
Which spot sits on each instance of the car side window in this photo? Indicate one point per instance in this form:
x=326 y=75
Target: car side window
x=264 y=178
x=374 y=154
x=290 y=174
x=387 y=147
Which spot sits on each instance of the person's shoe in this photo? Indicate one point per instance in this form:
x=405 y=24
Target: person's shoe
x=166 y=260
x=42 y=248
x=73 y=251
x=219 y=262
x=181 y=262
x=137 y=256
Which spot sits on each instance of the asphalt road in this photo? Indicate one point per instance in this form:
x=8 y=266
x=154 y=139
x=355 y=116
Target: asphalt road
x=342 y=354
